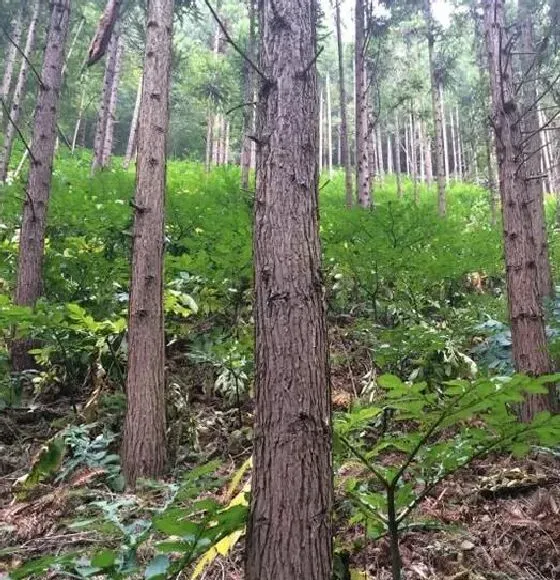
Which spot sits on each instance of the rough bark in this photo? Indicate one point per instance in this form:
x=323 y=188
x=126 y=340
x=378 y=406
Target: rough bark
x=529 y=345
x=103 y=114
x=248 y=110
x=436 y=110
x=112 y=109
x=532 y=148
x=289 y=533
x=344 y=151
x=131 y=146
x=361 y=109
x=144 y=444
x=10 y=58
x=32 y=236
x=19 y=93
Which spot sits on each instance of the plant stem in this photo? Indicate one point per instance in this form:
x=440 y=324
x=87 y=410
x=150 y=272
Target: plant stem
x=393 y=528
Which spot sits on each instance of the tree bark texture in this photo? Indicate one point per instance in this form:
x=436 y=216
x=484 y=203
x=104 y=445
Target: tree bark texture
x=101 y=126
x=361 y=109
x=112 y=110
x=32 y=236
x=19 y=93
x=144 y=443
x=532 y=149
x=529 y=345
x=289 y=533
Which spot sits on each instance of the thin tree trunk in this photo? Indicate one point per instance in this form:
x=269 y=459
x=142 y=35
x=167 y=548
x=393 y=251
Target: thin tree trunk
x=321 y=126
x=289 y=532
x=444 y=129
x=111 y=113
x=422 y=160
x=414 y=160
x=19 y=93
x=32 y=236
x=329 y=126
x=72 y=44
x=361 y=109
x=131 y=146
x=529 y=344
x=428 y=157
x=454 y=144
x=398 y=155
x=531 y=154
x=407 y=148
x=248 y=110
x=101 y=127
x=209 y=139
x=389 y=154
x=81 y=111
x=226 y=145
x=10 y=59
x=459 y=146
x=379 y=144
x=144 y=443
x=436 y=110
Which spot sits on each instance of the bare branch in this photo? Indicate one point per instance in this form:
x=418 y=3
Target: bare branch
x=18 y=48
x=234 y=44
x=241 y=105
x=17 y=129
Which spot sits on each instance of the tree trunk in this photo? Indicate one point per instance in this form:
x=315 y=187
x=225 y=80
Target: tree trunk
x=101 y=127
x=414 y=160
x=436 y=110
x=361 y=109
x=72 y=44
x=422 y=154
x=226 y=144
x=32 y=236
x=248 y=110
x=289 y=533
x=428 y=157
x=454 y=144
x=459 y=147
x=407 y=148
x=444 y=131
x=209 y=138
x=144 y=443
x=379 y=146
x=532 y=148
x=529 y=344
x=19 y=93
x=389 y=154
x=10 y=59
x=398 y=155
x=329 y=126
x=81 y=111
x=321 y=125
x=131 y=147
x=111 y=113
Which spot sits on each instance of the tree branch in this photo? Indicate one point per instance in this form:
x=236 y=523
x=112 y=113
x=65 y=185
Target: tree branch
x=18 y=48
x=234 y=44
x=17 y=129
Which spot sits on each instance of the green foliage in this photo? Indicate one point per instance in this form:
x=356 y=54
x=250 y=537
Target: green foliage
x=417 y=436
x=177 y=534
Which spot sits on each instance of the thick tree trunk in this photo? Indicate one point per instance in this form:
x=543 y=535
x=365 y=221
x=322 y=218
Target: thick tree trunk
x=248 y=110
x=289 y=533
x=19 y=93
x=10 y=58
x=144 y=443
x=361 y=109
x=32 y=236
x=529 y=344
x=532 y=148
x=436 y=110
x=398 y=155
x=111 y=113
x=101 y=127
x=131 y=146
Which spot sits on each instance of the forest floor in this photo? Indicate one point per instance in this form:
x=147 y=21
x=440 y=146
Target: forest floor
x=497 y=520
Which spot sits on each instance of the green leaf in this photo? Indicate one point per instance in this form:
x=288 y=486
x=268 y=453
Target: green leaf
x=104 y=559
